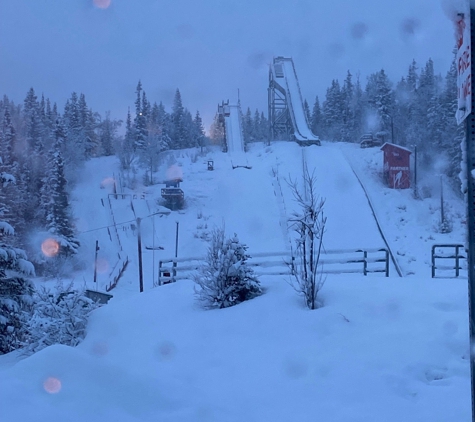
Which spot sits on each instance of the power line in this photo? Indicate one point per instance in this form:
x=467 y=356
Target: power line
x=118 y=224
x=106 y=227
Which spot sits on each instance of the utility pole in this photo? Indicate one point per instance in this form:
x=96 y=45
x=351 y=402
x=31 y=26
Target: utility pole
x=416 y=193
x=392 y=129
x=176 y=251
x=139 y=248
x=442 y=214
x=139 y=243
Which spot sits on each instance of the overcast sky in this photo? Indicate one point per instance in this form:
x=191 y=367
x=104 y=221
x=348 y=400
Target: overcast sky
x=209 y=48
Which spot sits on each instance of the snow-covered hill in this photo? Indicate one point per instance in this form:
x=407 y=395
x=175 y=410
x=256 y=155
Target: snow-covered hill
x=380 y=348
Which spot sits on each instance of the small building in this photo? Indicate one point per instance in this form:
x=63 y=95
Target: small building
x=396 y=170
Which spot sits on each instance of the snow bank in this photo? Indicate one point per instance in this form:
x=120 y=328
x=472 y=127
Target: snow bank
x=377 y=348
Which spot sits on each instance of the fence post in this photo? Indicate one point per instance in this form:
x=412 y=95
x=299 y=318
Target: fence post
x=457 y=259
x=160 y=273
x=365 y=263
x=174 y=270
x=387 y=262
x=433 y=261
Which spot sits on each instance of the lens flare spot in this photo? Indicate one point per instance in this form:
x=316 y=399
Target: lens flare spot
x=174 y=172
x=50 y=247
x=100 y=348
x=52 y=385
x=102 y=4
x=359 y=30
x=409 y=27
x=165 y=351
x=102 y=266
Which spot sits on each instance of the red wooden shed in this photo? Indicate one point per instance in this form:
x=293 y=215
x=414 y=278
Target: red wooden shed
x=396 y=166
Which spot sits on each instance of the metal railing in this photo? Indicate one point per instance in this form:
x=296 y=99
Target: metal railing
x=117 y=271
x=341 y=261
x=456 y=252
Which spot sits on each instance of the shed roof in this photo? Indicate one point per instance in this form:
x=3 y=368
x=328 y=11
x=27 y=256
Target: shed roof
x=388 y=144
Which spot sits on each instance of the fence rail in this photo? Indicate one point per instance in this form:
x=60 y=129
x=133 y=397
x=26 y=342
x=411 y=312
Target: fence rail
x=448 y=251
x=342 y=261
x=117 y=271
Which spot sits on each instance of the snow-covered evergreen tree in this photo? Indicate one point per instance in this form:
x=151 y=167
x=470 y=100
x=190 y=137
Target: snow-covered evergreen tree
x=358 y=111
x=347 y=133
x=226 y=279
x=331 y=110
x=178 y=129
x=74 y=146
x=198 y=131
x=247 y=127
x=56 y=201
x=89 y=121
x=15 y=289
x=140 y=121
x=10 y=196
x=316 y=118
x=306 y=108
x=380 y=99
x=126 y=152
x=108 y=138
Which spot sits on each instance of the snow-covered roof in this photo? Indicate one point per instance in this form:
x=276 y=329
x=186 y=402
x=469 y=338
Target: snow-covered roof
x=396 y=146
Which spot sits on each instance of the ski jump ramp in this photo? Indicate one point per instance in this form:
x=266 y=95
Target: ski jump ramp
x=286 y=106
x=230 y=117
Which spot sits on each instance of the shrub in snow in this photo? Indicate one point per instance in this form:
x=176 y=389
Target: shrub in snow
x=226 y=278
x=59 y=317
x=309 y=224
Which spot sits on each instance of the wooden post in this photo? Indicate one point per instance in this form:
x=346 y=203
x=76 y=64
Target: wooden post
x=457 y=261
x=387 y=262
x=160 y=273
x=139 y=250
x=95 y=263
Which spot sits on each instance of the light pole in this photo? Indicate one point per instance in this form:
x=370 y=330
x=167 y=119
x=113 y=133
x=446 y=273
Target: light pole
x=392 y=130
x=416 y=193
x=139 y=244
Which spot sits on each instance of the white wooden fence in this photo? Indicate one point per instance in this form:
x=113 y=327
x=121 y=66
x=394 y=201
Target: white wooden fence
x=364 y=261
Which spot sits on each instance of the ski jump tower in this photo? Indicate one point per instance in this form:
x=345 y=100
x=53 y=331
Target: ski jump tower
x=230 y=117
x=287 y=117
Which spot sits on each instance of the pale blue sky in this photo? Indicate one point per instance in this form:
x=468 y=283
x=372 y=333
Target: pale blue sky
x=209 y=48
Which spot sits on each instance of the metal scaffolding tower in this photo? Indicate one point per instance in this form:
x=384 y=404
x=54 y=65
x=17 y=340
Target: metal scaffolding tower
x=280 y=123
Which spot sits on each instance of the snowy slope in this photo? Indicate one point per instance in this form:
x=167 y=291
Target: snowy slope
x=302 y=131
x=234 y=136
x=92 y=216
x=380 y=349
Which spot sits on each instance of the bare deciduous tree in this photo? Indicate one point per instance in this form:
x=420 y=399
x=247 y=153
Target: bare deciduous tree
x=309 y=223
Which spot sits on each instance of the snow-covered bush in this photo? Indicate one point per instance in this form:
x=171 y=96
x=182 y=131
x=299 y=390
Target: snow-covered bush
x=309 y=224
x=60 y=317
x=226 y=278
